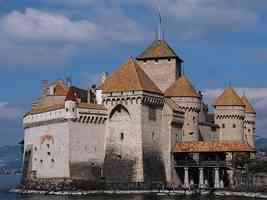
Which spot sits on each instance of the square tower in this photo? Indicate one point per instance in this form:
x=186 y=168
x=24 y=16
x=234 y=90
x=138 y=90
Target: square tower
x=161 y=64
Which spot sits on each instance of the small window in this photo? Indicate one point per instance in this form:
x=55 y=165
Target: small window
x=152 y=114
x=153 y=136
x=48 y=146
x=122 y=136
x=156 y=60
x=234 y=125
x=52 y=160
x=223 y=125
x=67 y=110
x=35 y=149
x=92 y=164
x=119 y=157
x=249 y=130
x=191 y=133
x=169 y=59
x=144 y=61
x=41 y=161
x=73 y=110
x=49 y=153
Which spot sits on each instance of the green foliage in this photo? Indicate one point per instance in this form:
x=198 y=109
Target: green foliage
x=258 y=166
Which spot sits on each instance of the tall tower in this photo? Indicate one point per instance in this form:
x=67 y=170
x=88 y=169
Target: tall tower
x=161 y=64
x=188 y=99
x=249 y=123
x=229 y=115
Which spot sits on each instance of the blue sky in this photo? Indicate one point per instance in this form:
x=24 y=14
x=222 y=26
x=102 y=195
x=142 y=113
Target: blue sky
x=221 y=41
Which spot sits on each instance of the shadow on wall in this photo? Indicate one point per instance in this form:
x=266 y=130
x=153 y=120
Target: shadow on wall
x=118 y=169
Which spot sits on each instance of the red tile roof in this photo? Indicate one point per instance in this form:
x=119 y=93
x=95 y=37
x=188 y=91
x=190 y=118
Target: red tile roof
x=182 y=88
x=129 y=77
x=229 y=98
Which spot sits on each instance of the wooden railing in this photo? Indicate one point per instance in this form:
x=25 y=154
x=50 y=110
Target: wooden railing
x=203 y=163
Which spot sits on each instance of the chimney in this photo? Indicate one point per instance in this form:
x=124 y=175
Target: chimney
x=104 y=77
x=44 y=87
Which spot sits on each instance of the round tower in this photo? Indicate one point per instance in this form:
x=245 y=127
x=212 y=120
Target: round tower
x=229 y=115
x=249 y=122
x=71 y=105
x=189 y=100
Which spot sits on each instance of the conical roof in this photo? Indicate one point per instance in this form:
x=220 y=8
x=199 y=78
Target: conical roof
x=182 y=88
x=158 y=49
x=129 y=77
x=248 y=107
x=229 y=98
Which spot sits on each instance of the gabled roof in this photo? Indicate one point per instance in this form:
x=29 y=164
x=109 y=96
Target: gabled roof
x=129 y=77
x=158 y=49
x=182 y=88
x=229 y=98
x=248 y=107
x=212 y=146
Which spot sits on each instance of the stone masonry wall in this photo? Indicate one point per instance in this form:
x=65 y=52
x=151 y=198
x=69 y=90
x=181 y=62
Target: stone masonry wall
x=163 y=72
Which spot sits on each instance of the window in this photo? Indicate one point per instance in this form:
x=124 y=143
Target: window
x=41 y=161
x=249 y=130
x=48 y=153
x=156 y=60
x=223 y=125
x=191 y=133
x=35 y=149
x=169 y=59
x=73 y=110
x=67 y=110
x=153 y=136
x=122 y=136
x=234 y=125
x=52 y=160
x=48 y=146
x=152 y=114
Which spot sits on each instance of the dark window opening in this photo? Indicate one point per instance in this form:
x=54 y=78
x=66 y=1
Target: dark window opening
x=52 y=160
x=169 y=59
x=35 y=148
x=156 y=60
x=234 y=126
x=48 y=146
x=49 y=153
x=223 y=125
x=73 y=110
x=122 y=136
x=153 y=136
x=119 y=157
x=41 y=161
x=67 y=110
x=191 y=133
x=249 y=130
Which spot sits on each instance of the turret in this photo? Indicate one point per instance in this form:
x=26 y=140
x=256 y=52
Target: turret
x=229 y=115
x=249 y=123
x=71 y=105
x=189 y=100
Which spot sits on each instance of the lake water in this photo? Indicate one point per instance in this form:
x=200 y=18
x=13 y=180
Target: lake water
x=7 y=182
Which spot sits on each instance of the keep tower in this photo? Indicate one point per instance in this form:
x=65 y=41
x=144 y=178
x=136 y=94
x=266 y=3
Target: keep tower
x=161 y=64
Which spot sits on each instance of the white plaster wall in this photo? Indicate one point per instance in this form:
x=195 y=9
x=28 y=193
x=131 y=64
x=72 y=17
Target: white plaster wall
x=87 y=142
x=59 y=150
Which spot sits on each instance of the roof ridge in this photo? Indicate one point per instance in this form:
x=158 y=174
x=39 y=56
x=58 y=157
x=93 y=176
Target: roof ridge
x=229 y=97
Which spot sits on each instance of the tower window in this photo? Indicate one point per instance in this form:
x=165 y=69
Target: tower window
x=52 y=160
x=234 y=125
x=67 y=110
x=122 y=136
x=191 y=133
x=48 y=146
x=249 y=130
x=49 y=153
x=73 y=110
x=169 y=59
x=223 y=125
x=152 y=114
x=156 y=60
x=153 y=136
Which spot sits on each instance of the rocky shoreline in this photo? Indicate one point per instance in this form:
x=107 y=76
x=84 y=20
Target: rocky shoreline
x=129 y=192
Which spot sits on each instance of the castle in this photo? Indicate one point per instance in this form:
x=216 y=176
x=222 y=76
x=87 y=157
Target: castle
x=145 y=123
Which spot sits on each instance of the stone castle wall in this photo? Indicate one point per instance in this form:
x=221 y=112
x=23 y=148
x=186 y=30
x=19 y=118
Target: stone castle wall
x=163 y=72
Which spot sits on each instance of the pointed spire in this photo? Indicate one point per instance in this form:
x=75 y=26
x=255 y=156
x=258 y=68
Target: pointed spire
x=182 y=88
x=229 y=98
x=160 y=33
x=248 y=107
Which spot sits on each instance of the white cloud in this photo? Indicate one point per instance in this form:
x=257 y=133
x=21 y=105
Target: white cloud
x=47 y=38
x=9 y=112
